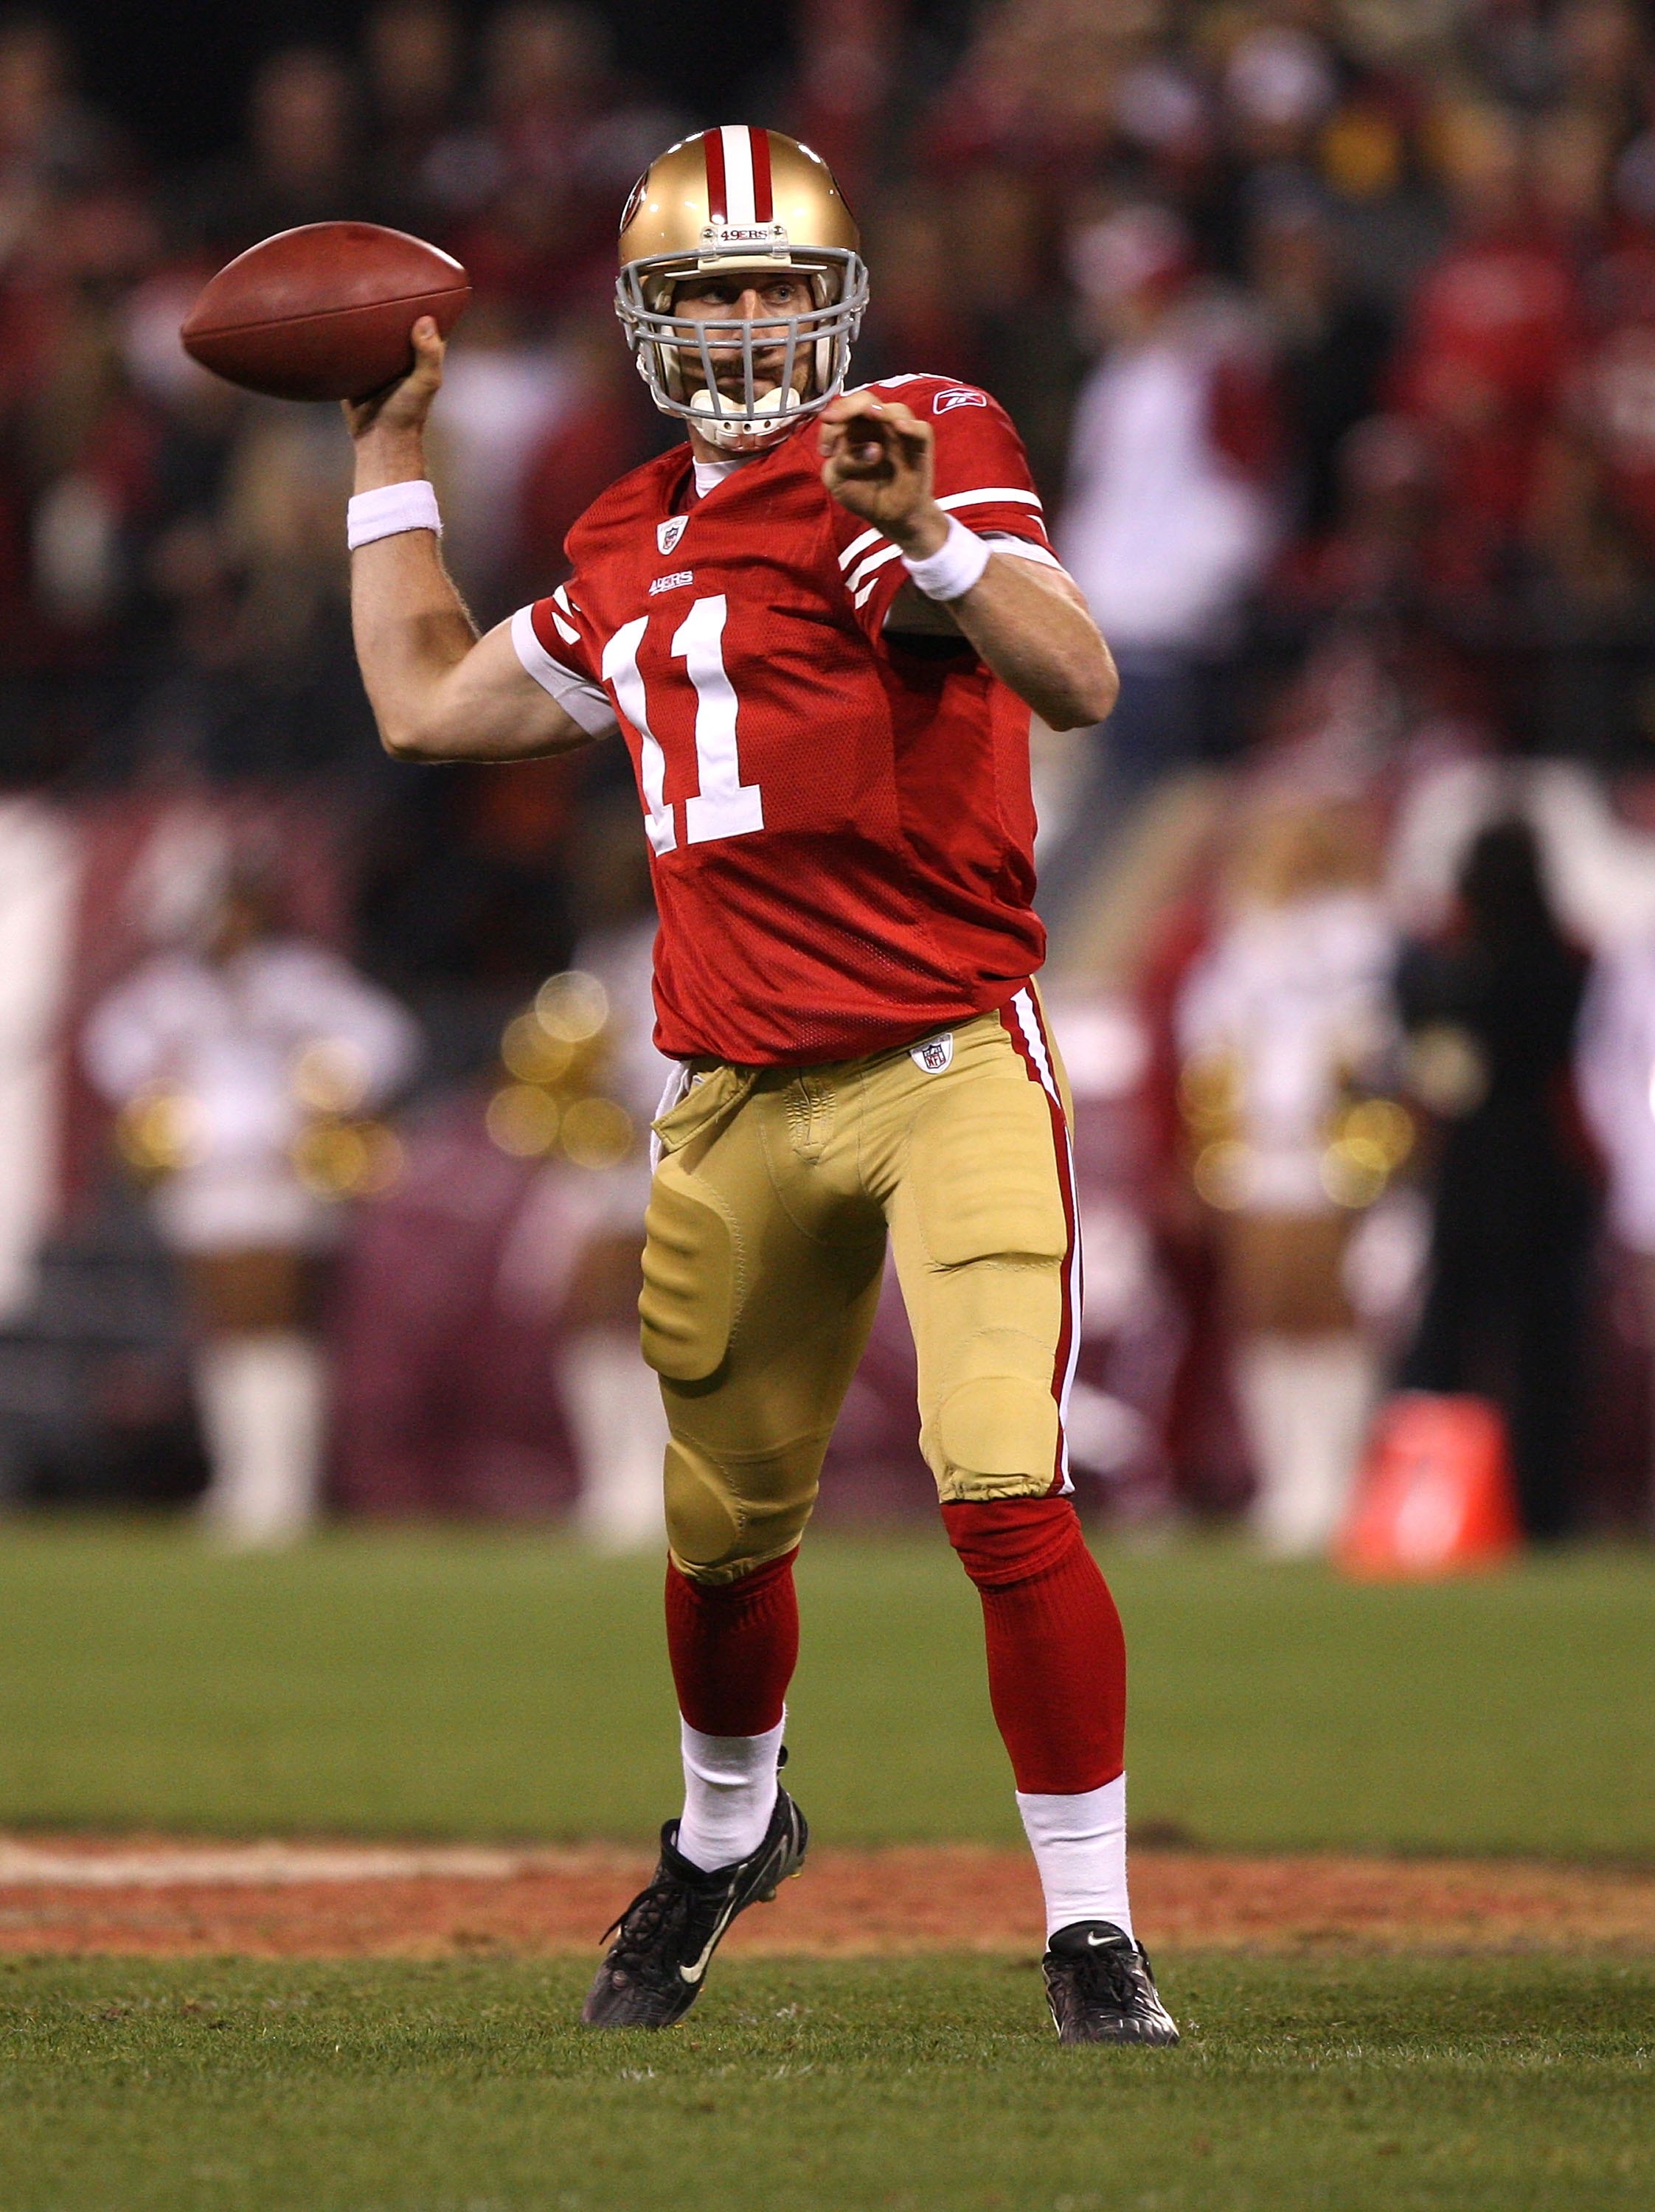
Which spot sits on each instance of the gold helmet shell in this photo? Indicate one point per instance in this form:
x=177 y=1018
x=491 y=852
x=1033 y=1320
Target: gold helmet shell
x=738 y=199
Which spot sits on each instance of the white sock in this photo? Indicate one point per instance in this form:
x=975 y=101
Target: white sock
x=1079 y=1847
x=729 y=1794
x=262 y=1401
x=614 y=1406
x=1304 y=1402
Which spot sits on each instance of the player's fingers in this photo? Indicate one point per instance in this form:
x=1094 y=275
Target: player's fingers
x=429 y=347
x=851 y=403
x=904 y=420
x=846 y=415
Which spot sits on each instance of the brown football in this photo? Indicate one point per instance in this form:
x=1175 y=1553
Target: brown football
x=324 y=312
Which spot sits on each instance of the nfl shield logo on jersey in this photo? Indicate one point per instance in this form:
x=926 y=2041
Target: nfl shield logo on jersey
x=668 y=533
x=935 y=1055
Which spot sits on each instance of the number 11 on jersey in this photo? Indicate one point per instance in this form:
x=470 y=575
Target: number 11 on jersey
x=724 y=806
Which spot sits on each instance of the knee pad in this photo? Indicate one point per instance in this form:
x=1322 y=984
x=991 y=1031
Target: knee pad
x=1004 y=1541
x=723 y=1522
x=994 y=1436
x=687 y=1309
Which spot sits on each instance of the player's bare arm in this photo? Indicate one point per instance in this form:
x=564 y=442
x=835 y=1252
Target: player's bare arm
x=1028 y=622
x=439 y=691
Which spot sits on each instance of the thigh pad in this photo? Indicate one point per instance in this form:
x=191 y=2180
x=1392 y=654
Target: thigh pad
x=983 y=1167
x=688 y=1307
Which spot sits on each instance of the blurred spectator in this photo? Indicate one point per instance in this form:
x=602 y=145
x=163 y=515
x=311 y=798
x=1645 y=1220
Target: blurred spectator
x=1489 y=336
x=303 y=162
x=1337 y=322
x=533 y=189
x=1617 y=1090
x=1490 y=1014
x=1330 y=343
x=1170 y=513
x=612 y=1399
x=847 y=69
x=1286 y=1031
x=411 y=53
x=241 y=1070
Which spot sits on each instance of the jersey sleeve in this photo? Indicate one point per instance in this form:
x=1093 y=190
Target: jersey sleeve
x=982 y=479
x=550 y=638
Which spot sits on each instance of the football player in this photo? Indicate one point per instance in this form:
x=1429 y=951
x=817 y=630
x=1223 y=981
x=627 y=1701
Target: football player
x=820 y=625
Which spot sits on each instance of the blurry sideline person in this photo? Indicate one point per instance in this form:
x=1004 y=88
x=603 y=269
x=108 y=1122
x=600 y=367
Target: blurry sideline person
x=219 y=1058
x=1491 y=1012
x=610 y=1397
x=1285 y=1027
x=39 y=880
x=1170 y=516
x=1616 y=1064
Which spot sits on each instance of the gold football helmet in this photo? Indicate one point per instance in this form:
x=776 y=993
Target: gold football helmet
x=732 y=201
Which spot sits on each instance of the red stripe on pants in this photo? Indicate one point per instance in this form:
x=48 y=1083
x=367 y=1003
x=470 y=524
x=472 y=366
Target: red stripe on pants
x=1060 y=1133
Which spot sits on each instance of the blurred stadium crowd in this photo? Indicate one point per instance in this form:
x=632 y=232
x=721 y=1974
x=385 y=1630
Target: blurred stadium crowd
x=1330 y=327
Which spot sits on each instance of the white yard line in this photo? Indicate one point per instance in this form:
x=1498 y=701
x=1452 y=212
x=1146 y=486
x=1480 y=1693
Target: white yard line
x=173 y=1866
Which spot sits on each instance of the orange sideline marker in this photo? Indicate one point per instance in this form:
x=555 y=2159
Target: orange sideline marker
x=1435 y=1496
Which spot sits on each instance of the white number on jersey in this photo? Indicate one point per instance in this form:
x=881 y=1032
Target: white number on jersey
x=724 y=806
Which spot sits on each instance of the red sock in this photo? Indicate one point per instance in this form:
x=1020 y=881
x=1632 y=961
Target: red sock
x=1057 y=1655
x=733 y=1647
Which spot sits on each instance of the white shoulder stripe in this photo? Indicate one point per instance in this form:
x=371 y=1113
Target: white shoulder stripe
x=861 y=582
x=584 y=703
x=861 y=546
x=992 y=495
x=873 y=561
x=1021 y=549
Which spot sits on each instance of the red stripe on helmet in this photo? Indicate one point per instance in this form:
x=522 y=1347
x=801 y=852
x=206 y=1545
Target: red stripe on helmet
x=764 y=198
x=712 y=145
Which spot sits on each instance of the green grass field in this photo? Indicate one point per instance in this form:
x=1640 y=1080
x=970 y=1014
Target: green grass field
x=476 y=1685
x=498 y=1686
x=925 y=2087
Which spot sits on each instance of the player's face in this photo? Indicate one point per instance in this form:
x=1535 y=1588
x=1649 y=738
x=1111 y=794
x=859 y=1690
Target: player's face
x=750 y=298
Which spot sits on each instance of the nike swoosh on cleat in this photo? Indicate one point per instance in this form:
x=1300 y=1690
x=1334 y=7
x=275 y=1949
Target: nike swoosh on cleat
x=1099 y=1942
x=693 y=1973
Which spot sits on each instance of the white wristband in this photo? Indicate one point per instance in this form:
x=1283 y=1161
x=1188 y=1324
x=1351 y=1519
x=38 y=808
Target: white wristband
x=956 y=564
x=390 y=510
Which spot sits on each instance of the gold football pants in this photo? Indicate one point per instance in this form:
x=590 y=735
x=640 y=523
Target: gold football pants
x=774 y=1195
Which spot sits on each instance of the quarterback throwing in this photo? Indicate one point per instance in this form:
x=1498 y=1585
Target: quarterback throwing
x=819 y=626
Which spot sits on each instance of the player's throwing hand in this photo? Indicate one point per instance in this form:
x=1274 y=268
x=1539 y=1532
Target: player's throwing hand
x=878 y=463
x=405 y=405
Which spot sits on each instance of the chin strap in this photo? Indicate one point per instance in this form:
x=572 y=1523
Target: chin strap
x=737 y=432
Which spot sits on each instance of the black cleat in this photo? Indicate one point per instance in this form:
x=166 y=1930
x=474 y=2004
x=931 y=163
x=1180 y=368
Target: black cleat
x=667 y=1935
x=1101 y=1988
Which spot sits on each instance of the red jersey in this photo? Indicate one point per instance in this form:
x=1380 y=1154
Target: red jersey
x=840 y=823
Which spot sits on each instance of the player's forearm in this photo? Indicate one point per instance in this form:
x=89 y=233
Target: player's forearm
x=410 y=625
x=1029 y=624
x=438 y=693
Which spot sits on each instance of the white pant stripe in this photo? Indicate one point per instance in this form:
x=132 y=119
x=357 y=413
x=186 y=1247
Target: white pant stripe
x=1028 y=1021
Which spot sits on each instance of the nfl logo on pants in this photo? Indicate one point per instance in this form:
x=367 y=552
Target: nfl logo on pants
x=935 y=1055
